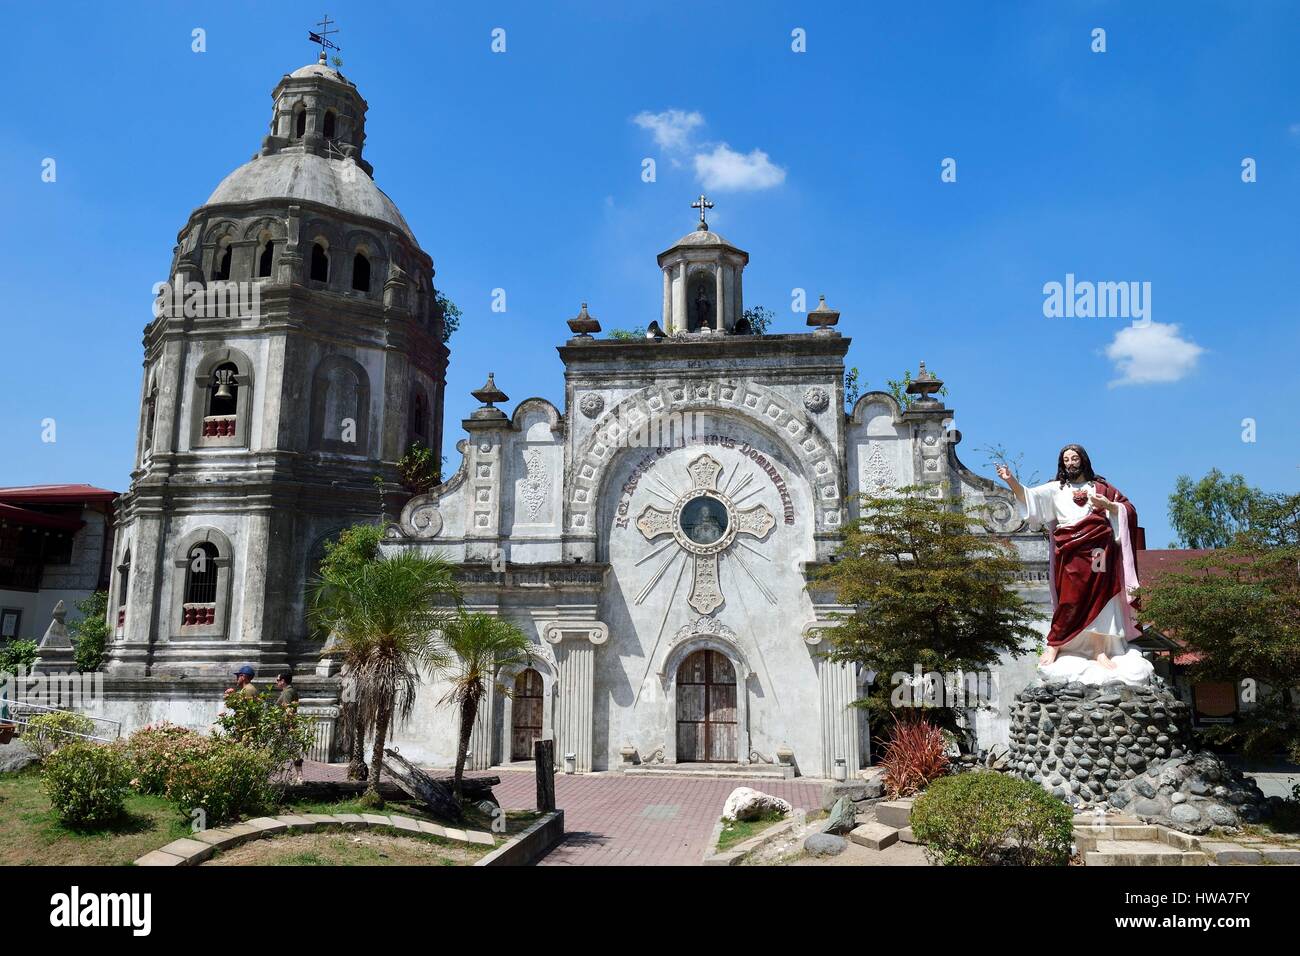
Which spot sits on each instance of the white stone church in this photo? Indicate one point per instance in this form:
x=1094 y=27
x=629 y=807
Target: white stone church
x=653 y=528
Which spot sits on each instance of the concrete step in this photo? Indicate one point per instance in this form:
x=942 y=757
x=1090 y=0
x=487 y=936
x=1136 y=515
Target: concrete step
x=895 y=813
x=874 y=836
x=731 y=773
x=1140 y=853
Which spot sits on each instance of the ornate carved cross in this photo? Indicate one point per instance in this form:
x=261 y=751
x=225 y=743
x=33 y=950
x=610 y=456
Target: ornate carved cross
x=705 y=522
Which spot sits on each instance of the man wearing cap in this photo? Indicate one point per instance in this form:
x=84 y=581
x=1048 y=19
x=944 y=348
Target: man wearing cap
x=244 y=682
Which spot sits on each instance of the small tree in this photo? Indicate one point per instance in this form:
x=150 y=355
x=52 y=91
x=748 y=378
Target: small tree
x=626 y=335
x=418 y=469
x=929 y=589
x=481 y=645
x=91 y=632
x=384 y=613
x=760 y=319
x=1238 y=611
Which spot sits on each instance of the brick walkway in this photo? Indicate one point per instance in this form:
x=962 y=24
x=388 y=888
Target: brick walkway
x=630 y=821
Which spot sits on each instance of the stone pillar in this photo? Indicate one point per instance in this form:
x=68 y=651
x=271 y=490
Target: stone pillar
x=667 y=323
x=837 y=685
x=575 y=645
x=679 y=300
x=720 y=295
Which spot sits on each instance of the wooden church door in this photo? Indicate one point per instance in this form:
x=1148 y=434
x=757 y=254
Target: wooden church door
x=706 y=709
x=526 y=720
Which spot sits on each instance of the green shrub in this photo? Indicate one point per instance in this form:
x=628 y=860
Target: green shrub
x=154 y=750
x=17 y=654
x=985 y=818
x=223 y=778
x=90 y=633
x=262 y=723
x=87 y=783
x=46 y=733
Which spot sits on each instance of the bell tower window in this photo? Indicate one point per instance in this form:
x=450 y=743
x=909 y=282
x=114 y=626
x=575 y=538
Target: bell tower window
x=329 y=124
x=361 y=272
x=264 y=260
x=299 y=123
x=221 y=270
x=150 y=415
x=320 y=263
x=419 y=419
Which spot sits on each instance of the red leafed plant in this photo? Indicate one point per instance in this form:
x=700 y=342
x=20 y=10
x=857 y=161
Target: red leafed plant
x=915 y=755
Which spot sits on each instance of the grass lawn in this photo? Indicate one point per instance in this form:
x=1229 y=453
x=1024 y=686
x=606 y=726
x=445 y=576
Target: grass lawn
x=30 y=833
x=738 y=831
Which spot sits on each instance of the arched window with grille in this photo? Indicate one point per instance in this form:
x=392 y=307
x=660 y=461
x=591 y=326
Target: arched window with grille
x=201 y=588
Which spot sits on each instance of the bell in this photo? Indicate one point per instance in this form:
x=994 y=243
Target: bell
x=224 y=380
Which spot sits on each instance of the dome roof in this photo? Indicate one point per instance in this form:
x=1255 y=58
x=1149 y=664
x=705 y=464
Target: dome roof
x=701 y=237
x=320 y=69
x=294 y=175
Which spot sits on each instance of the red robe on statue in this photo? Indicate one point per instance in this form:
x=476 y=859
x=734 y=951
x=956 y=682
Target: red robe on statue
x=1090 y=567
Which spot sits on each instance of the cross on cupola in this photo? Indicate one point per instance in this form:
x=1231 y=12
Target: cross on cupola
x=702 y=204
x=322 y=36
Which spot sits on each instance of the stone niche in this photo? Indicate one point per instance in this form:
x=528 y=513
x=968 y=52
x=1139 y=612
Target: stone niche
x=1083 y=743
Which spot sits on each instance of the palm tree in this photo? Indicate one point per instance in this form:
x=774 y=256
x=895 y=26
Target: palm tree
x=482 y=645
x=384 y=615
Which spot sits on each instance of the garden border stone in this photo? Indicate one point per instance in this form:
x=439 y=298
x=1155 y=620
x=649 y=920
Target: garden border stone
x=191 y=851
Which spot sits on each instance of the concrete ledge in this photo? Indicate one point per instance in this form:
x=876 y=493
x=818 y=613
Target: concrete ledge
x=874 y=836
x=193 y=851
x=531 y=845
x=895 y=813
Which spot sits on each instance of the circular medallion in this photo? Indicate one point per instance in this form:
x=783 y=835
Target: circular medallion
x=702 y=522
x=591 y=404
x=816 y=399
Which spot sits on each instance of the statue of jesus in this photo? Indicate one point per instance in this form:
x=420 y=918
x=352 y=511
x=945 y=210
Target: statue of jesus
x=1091 y=572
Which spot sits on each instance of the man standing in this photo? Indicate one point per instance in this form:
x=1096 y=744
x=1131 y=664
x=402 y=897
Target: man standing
x=1091 y=571
x=288 y=701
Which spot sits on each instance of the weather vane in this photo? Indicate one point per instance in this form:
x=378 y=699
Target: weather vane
x=323 y=37
x=702 y=204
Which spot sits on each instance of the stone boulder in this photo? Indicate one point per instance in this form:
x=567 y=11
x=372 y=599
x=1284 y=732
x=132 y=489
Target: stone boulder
x=747 y=804
x=843 y=818
x=1194 y=794
x=14 y=756
x=825 y=844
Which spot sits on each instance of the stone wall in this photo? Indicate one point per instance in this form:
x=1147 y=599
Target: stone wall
x=1082 y=743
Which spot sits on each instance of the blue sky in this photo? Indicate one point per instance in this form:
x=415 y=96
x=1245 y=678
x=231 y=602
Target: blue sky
x=522 y=171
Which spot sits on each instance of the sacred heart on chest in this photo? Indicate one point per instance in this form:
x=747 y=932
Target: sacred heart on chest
x=1080 y=496
x=705 y=522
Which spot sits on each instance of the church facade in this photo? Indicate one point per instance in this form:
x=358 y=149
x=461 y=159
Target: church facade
x=656 y=529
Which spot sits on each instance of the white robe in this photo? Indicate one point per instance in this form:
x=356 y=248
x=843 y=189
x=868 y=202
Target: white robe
x=1051 y=506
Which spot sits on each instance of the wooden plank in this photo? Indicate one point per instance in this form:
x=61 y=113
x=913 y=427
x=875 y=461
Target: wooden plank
x=544 y=756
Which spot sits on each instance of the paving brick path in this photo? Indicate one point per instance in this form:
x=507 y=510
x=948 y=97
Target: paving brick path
x=630 y=821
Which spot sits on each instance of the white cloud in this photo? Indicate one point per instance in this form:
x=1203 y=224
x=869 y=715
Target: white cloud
x=1151 y=353
x=724 y=168
x=671 y=128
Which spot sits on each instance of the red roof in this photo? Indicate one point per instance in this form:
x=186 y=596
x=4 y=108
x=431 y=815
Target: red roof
x=21 y=505
x=56 y=494
x=1154 y=564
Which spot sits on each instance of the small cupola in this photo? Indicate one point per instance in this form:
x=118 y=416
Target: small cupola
x=702 y=280
x=318 y=110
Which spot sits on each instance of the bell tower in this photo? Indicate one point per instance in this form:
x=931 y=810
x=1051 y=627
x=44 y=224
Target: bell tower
x=296 y=352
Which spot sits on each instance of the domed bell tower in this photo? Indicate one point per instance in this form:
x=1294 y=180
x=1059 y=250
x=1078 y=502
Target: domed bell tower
x=702 y=281
x=296 y=352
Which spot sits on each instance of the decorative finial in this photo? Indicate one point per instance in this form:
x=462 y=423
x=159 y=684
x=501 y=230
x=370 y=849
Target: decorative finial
x=489 y=393
x=583 y=324
x=925 y=385
x=323 y=37
x=702 y=204
x=823 y=317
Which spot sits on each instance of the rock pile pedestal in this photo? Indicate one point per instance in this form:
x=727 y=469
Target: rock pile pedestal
x=1193 y=794
x=1082 y=742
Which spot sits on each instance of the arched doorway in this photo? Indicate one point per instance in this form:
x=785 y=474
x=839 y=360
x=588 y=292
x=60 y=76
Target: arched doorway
x=706 y=709
x=526 y=714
